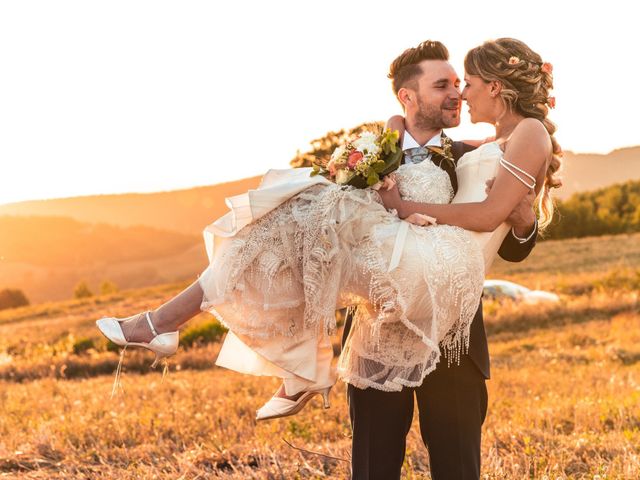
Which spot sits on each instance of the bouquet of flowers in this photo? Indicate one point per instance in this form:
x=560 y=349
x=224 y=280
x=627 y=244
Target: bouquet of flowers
x=362 y=162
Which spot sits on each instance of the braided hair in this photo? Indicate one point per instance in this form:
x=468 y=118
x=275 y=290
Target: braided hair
x=526 y=83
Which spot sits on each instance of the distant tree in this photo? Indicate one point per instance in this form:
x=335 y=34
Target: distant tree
x=108 y=287
x=12 y=298
x=607 y=211
x=323 y=147
x=82 y=290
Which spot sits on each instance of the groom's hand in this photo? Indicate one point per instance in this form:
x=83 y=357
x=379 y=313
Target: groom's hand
x=523 y=217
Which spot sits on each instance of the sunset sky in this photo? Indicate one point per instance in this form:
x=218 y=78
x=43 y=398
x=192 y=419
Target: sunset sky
x=138 y=96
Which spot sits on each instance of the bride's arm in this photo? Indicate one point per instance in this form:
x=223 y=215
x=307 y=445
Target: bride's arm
x=477 y=143
x=396 y=123
x=529 y=149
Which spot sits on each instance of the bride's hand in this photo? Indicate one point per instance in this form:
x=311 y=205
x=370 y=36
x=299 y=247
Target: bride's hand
x=396 y=123
x=389 y=181
x=389 y=193
x=421 y=220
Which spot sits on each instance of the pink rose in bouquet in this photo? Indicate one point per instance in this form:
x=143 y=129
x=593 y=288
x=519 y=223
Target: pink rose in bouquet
x=353 y=159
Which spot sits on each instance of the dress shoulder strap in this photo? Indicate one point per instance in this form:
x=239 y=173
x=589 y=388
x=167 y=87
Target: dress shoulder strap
x=514 y=169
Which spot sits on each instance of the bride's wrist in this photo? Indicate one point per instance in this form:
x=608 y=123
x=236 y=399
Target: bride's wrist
x=402 y=210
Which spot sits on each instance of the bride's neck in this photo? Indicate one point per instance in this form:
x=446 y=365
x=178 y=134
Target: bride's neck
x=506 y=124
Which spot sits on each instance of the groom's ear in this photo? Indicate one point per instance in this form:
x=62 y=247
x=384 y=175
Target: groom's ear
x=406 y=97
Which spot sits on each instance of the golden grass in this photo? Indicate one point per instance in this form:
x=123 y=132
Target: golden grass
x=564 y=397
x=560 y=264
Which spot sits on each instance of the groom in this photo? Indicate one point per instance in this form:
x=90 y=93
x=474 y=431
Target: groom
x=452 y=401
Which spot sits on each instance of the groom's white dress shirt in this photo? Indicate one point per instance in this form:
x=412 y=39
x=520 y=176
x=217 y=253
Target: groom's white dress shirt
x=409 y=142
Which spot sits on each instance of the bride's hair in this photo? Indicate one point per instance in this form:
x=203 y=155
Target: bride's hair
x=405 y=68
x=526 y=83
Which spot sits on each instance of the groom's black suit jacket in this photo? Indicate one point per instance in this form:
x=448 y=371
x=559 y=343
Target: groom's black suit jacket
x=511 y=250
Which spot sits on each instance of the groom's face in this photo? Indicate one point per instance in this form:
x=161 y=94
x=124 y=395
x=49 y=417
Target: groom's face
x=437 y=93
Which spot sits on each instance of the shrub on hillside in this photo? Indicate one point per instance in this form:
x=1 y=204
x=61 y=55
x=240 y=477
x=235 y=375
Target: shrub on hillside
x=82 y=291
x=12 y=298
x=81 y=345
x=107 y=288
x=208 y=332
x=625 y=279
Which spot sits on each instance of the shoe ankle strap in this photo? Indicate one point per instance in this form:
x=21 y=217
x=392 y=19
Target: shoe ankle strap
x=153 y=330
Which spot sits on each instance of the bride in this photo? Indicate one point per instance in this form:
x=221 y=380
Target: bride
x=410 y=255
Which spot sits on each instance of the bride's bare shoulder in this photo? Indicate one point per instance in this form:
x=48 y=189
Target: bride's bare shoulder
x=530 y=135
x=532 y=131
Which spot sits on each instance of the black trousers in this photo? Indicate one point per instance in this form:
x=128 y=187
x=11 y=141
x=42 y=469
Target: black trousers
x=452 y=405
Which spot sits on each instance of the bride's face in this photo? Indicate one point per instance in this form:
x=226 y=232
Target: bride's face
x=481 y=103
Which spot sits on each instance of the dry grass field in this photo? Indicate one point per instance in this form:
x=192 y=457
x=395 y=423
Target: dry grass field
x=564 y=397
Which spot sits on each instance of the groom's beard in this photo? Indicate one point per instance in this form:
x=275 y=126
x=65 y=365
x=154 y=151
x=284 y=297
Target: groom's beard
x=429 y=117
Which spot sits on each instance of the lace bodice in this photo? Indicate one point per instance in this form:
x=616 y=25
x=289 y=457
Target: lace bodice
x=424 y=182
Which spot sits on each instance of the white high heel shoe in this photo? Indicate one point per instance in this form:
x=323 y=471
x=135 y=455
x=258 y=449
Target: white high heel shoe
x=279 y=407
x=163 y=344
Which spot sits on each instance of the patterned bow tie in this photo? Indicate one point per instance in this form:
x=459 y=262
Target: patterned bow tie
x=417 y=154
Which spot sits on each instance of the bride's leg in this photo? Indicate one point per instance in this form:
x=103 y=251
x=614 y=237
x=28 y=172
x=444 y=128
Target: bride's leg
x=293 y=387
x=168 y=317
x=296 y=391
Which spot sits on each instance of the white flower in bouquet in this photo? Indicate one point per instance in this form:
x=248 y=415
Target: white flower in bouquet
x=367 y=143
x=365 y=138
x=338 y=152
x=343 y=176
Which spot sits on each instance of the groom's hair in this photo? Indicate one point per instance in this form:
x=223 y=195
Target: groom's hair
x=406 y=68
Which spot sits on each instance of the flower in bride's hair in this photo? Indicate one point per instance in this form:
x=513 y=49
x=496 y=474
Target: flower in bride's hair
x=551 y=101
x=546 y=67
x=514 y=60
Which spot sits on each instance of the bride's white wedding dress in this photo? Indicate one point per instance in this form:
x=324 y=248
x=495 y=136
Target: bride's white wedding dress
x=292 y=252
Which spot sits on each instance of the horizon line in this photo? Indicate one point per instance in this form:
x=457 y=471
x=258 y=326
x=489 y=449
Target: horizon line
x=4 y=203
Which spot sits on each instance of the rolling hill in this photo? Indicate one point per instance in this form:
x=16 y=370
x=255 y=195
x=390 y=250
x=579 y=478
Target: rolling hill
x=47 y=256
x=183 y=211
x=586 y=172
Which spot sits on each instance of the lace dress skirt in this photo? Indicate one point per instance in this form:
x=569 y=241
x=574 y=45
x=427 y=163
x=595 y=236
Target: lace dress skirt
x=283 y=276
